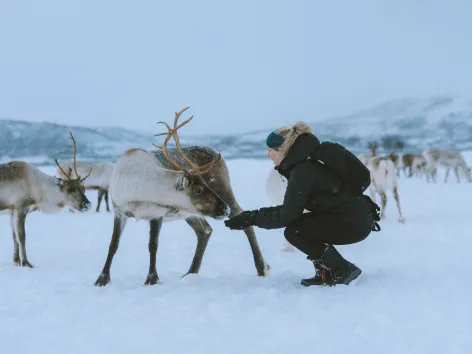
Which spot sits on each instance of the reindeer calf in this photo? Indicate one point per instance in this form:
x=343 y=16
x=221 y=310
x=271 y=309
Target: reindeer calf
x=384 y=178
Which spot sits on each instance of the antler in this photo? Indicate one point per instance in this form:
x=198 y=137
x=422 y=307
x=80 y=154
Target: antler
x=172 y=132
x=68 y=175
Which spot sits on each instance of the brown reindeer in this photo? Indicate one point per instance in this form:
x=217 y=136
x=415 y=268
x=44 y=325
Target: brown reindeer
x=188 y=183
x=24 y=188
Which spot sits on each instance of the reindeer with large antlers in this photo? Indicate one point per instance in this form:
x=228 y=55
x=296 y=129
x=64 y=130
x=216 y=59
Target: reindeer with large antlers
x=188 y=183
x=24 y=188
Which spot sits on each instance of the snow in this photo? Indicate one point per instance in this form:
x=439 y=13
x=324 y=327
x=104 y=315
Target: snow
x=412 y=297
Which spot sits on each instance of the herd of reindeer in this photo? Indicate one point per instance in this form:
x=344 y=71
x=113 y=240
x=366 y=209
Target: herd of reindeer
x=189 y=183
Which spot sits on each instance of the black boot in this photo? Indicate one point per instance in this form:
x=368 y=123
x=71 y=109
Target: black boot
x=332 y=269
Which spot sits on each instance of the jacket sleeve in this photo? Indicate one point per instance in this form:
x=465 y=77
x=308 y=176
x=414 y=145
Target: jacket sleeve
x=299 y=189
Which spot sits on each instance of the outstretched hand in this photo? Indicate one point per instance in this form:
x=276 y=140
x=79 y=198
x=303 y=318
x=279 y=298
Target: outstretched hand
x=241 y=221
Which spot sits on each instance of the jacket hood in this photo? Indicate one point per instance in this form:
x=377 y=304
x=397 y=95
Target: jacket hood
x=302 y=148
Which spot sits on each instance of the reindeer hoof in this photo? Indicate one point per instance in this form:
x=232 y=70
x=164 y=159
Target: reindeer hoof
x=152 y=279
x=26 y=264
x=265 y=271
x=102 y=280
x=189 y=272
x=16 y=261
x=401 y=220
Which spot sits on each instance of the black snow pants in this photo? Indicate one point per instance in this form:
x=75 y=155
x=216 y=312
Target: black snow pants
x=312 y=232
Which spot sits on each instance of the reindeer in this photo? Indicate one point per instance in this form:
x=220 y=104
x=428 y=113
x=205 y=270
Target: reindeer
x=365 y=158
x=154 y=185
x=384 y=177
x=441 y=158
x=275 y=187
x=98 y=180
x=24 y=188
x=418 y=165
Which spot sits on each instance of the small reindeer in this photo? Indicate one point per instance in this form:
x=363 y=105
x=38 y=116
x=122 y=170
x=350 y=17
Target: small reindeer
x=384 y=178
x=24 y=188
x=365 y=158
x=449 y=159
x=99 y=178
x=167 y=184
x=418 y=165
x=275 y=187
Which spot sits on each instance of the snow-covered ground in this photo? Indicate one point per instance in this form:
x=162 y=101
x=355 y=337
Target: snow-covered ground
x=414 y=295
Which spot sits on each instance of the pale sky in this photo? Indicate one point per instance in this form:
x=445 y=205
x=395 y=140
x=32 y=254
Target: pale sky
x=240 y=65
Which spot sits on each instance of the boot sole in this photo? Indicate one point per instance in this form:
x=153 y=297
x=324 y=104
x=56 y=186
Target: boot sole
x=352 y=276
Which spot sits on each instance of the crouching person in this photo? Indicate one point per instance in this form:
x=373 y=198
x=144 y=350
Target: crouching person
x=328 y=181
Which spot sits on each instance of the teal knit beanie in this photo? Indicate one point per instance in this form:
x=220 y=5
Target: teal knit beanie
x=274 y=141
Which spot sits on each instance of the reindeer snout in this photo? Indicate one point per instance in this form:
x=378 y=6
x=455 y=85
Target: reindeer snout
x=86 y=205
x=224 y=211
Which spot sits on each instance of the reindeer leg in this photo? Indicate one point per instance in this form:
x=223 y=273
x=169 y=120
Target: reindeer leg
x=262 y=268
x=154 y=231
x=203 y=231
x=99 y=199
x=447 y=174
x=383 y=197
x=118 y=227
x=456 y=172
x=226 y=194
x=106 y=199
x=373 y=194
x=16 y=246
x=19 y=219
x=397 y=199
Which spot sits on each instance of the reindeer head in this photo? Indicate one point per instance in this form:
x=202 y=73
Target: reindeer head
x=202 y=197
x=373 y=148
x=73 y=188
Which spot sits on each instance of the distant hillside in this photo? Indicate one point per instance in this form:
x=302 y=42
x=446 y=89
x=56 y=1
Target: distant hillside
x=443 y=121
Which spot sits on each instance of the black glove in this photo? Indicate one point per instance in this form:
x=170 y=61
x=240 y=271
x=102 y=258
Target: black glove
x=242 y=220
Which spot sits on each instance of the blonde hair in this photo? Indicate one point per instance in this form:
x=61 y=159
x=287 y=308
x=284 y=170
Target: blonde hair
x=290 y=134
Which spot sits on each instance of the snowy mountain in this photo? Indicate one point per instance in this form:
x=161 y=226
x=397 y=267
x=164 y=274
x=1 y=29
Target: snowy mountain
x=442 y=121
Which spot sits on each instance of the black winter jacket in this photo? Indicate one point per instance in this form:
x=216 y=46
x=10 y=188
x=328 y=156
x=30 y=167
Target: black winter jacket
x=310 y=186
